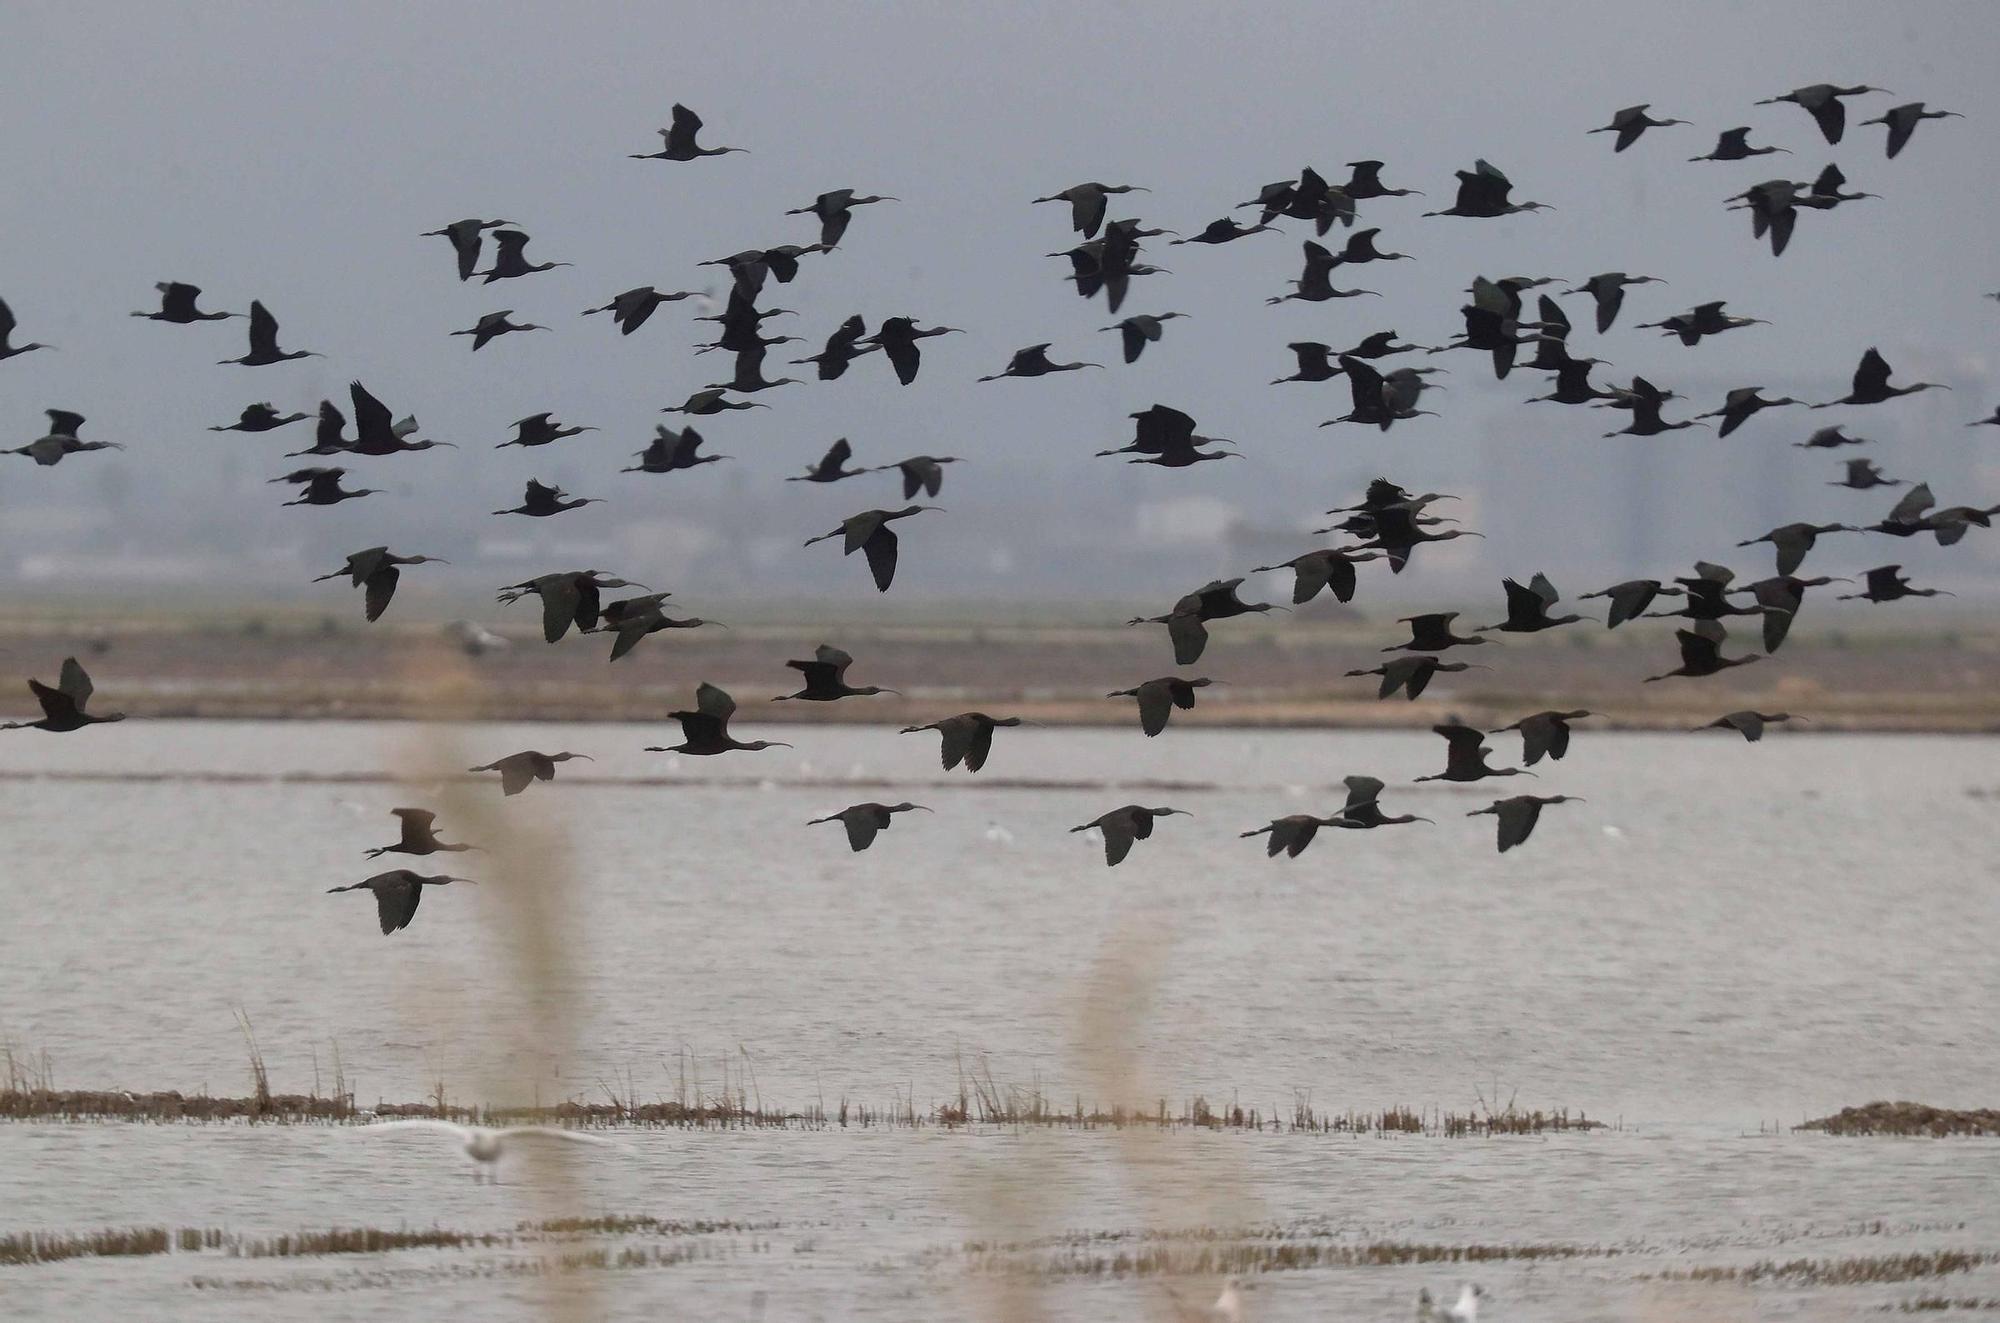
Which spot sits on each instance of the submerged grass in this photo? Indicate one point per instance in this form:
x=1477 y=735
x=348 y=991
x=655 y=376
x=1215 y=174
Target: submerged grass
x=1866 y=1270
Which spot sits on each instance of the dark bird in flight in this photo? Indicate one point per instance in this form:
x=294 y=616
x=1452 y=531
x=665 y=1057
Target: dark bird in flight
x=1704 y=319
x=1379 y=399
x=1822 y=102
x=897 y=338
x=1644 y=400
x=1545 y=734
x=61 y=440
x=63 y=706
x=671 y=450
x=835 y=211
x=264 y=349
x=864 y=821
x=1225 y=230
x=826 y=678
x=1742 y=404
x=263 y=417
x=1363 y=810
x=1903 y=121
x=1465 y=756
x=630 y=310
x=1328 y=568
x=1136 y=332
x=1124 y=825
x=842 y=348
x=705 y=730
x=568 y=597
x=678 y=142
x=1187 y=622
x=1528 y=607
x=1749 y=724
x=1398 y=530
x=1087 y=202
x=921 y=473
x=1315 y=283
x=177 y=305
x=749 y=375
x=1885 y=583
x=1701 y=655
x=1493 y=325
x=966 y=738
x=711 y=400
x=321 y=486
x=464 y=237
x=1573 y=384
x=1631 y=598
x=1290 y=835
x=1793 y=541
x=511 y=259
x=1861 y=474
x=1607 y=288
x=1993 y=421
x=1309 y=198
x=1483 y=192
x=540 y=501
x=374 y=432
x=1871 y=384
x=8 y=349
x=870 y=534
x=1518 y=815
x=1162 y=430
x=419 y=836
x=1706 y=591
x=1734 y=145
x=1632 y=121
x=1830 y=438
x=375 y=570
x=1365 y=181
x=1826 y=194
x=1034 y=362
x=635 y=618
x=749 y=268
x=1781 y=597
x=1410 y=674
x=1773 y=206
x=495 y=324
x=397 y=894
x=518 y=769
x=539 y=430
x=1431 y=632
x=1158 y=698
x=832 y=466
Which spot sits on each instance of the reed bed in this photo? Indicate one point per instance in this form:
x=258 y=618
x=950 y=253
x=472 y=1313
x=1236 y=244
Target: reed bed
x=130 y=1242
x=1242 y=1258
x=1866 y=1270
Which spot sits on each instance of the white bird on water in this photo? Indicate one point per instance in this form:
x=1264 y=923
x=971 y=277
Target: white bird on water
x=1466 y=1310
x=485 y=1145
x=1228 y=1306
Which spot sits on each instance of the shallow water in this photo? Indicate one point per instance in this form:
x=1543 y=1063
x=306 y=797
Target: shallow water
x=1722 y=937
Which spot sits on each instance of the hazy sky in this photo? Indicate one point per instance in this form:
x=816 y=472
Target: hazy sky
x=295 y=153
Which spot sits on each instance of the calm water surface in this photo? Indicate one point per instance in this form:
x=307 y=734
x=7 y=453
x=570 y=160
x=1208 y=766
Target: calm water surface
x=1722 y=937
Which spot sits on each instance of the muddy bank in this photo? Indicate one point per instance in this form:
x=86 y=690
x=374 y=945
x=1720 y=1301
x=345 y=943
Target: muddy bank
x=1908 y=1118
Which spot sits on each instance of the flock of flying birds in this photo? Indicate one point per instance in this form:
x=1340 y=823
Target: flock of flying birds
x=1387 y=524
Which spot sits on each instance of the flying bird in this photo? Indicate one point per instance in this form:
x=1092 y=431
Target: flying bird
x=1087 y=203
x=1631 y=598
x=825 y=678
x=1822 y=102
x=419 y=838
x=60 y=441
x=568 y=597
x=1701 y=655
x=1734 y=145
x=869 y=533
x=1793 y=541
x=375 y=569
x=264 y=349
x=1331 y=568
x=321 y=486
x=921 y=473
x=1545 y=734
x=262 y=417
x=1517 y=816
x=177 y=305
x=1903 y=120
x=1138 y=331
x=1411 y=674
x=1034 y=362
x=493 y=325
x=397 y=894
x=835 y=211
x=1123 y=825
x=483 y=1144
x=630 y=310
x=1886 y=583
x=897 y=338
x=864 y=821
x=1484 y=192
x=464 y=237
x=705 y=729
x=1607 y=289
x=1465 y=756
x=63 y=707
x=671 y=450
x=1749 y=724
x=1632 y=121
x=678 y=142
x=8 y=349
x=1158 y=698
x=517 y=770
x=966 y=738
x=540 y=501
x=1871 y=384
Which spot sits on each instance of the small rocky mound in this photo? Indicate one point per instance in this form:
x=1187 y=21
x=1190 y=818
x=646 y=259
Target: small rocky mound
x=1908 y=1118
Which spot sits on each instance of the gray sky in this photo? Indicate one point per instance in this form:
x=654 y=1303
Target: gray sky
x=294 y=154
